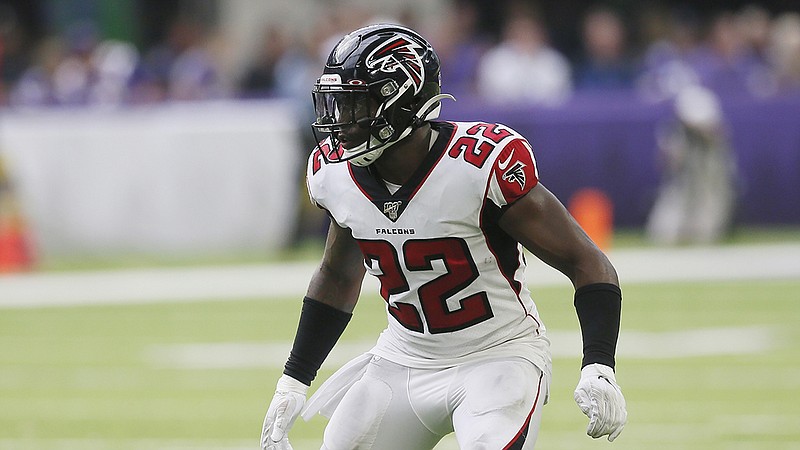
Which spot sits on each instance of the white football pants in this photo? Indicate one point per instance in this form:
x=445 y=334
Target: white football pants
x=495 y=404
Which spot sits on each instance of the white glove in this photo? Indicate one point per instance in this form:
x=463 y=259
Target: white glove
x=289 y=398
x=600 y=398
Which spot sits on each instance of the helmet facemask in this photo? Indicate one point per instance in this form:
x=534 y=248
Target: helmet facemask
x=359 y=117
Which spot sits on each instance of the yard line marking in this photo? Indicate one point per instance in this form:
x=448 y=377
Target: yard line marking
x=161 y=444
x=31 y=290
x=153 y=285
x=243 y=355
x=129 y=444
x=564 y=344
x=676 y=344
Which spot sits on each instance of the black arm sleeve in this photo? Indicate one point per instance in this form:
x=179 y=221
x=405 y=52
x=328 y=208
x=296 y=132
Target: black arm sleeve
x=599 y=307
x=320 y=327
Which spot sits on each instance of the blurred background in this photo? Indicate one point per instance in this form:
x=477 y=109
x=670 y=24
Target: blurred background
x=156 y=237
x=179 y=129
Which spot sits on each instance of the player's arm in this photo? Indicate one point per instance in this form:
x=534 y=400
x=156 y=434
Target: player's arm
x=330 y=299
x=337 y=280
x=542 y=224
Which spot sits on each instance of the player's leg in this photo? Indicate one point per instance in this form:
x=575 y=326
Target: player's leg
x=501 y=405
x=376 y=414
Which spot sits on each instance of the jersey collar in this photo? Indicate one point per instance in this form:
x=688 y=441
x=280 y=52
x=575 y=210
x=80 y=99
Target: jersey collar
x=393 y=205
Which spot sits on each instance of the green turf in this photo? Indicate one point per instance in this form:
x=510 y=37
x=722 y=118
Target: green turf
x=81 y=377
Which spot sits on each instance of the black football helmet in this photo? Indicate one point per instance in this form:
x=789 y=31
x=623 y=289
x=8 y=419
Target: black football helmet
x=380 y=83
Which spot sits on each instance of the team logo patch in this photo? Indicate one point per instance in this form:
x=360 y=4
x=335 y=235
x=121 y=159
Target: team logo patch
x=515 y=174
x=399 y=54
x=392 y=209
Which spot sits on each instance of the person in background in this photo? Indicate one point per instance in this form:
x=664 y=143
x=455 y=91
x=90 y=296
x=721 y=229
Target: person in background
x=182 y=68
x=669 y=57
x=727 y=64
x=34 y=88
x=523 y=67
x=460 y=46
x=605 y=63
x=696 y=201
x=258 y=80
x=784 y=52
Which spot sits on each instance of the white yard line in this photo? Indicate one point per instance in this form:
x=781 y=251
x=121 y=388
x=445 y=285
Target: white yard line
x=775 y=261
x=153 y=285
x=129 y=444
x=164 y=444
x=564 y=344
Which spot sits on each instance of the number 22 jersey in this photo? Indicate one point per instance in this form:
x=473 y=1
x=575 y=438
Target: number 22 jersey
x=453 y=281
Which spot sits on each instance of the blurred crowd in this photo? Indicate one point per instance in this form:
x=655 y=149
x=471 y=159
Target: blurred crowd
x=657 y=51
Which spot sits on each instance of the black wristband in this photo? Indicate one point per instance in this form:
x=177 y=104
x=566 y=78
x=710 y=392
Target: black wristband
x=320 y=327
x=599 y=307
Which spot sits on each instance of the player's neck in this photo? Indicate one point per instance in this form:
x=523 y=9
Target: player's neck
x=402 y=159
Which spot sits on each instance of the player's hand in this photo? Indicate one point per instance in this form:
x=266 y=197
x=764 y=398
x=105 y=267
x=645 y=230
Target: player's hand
x=600 y=398
x=289 y=398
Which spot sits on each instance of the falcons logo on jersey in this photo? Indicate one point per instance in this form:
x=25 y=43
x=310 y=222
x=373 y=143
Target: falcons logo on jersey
x=516 y=174
x=399 y=54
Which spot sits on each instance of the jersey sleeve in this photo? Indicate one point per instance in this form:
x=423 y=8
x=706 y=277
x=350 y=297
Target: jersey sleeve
x=310 y=187
x=315 y=173
x=321 y=181
x=514 y=173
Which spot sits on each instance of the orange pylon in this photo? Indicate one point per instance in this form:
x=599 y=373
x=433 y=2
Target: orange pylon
x=16 y=254
x=594 y=211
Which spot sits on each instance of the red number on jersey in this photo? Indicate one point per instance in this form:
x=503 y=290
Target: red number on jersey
x=461 y=272
x=491 y=131
x=433 y=295
x=392 y=281
x=477 y=150
x=474 y=153
x=323 y=154
x=316 y=160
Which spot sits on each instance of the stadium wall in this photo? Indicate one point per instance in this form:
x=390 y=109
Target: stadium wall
x=175 y=178
x=227 y=176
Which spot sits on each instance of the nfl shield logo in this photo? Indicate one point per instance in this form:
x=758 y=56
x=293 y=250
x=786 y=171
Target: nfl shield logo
x=390 y=209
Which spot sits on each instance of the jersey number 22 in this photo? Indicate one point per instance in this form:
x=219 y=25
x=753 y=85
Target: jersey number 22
x=419 y=255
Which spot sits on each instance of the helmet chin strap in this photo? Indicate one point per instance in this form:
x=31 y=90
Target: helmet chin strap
x=428 y=111
x=369 y=157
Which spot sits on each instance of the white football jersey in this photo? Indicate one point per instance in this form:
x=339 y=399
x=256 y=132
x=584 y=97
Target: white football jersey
x=453 y=281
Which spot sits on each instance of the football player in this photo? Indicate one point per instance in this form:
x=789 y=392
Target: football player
x=440 y=213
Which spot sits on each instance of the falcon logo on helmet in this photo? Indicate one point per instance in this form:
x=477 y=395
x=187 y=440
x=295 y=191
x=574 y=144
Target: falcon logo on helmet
x=400 y=54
